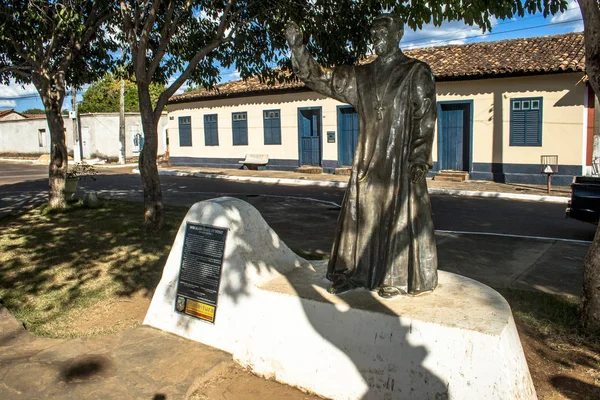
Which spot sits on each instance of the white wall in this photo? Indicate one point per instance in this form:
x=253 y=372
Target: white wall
x=21 y=136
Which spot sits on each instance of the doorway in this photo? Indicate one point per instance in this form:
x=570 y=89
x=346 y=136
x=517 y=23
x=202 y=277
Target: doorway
x=455 y=131
x=309 y=132
x=347 y=122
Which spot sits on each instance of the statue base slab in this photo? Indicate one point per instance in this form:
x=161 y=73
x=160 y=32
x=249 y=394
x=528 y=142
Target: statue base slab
x=275 y=316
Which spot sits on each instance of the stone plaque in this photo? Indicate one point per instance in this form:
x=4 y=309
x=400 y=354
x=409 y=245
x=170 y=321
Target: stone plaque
x=200 y=271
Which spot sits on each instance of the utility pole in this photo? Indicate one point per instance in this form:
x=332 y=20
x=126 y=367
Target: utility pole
x=75 y=118
x=122 y=122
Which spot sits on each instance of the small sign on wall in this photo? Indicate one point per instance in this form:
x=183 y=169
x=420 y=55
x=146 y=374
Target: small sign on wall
x=330 y=136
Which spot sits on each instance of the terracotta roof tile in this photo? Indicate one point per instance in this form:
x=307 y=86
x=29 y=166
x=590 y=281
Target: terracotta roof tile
x=514 y=57
x=4 y=113
x=549 y=54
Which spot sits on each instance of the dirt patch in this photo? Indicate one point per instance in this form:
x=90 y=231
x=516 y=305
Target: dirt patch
x=109 y=316
x=232 y=382
x=559 y=369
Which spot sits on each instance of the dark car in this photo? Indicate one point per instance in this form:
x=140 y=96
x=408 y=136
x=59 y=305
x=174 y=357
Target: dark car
x=585 y=199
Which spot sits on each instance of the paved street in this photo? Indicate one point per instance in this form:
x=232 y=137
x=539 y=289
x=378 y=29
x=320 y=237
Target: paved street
x=19 y=172
x=451 y=213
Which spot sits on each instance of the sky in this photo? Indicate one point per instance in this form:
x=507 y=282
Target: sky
x=22 y=98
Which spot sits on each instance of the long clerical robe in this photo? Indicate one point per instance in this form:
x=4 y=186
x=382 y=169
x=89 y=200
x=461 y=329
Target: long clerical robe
x=385 y=234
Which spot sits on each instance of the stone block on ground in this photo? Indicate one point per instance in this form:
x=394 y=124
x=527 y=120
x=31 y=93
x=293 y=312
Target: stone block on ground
x=309 y=169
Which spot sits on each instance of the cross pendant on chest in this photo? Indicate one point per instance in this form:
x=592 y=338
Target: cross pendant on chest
x=379 y=110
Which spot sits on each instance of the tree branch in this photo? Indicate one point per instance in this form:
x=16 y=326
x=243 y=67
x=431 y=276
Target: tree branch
x=91 y=26
x=170 y=91
x=166 y=35
x=23 y=53
x=145 y=34
x=225 y=19
x=17 y=71
x=128 y=27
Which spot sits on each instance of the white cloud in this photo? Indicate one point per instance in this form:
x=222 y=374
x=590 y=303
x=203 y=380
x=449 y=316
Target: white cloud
x=230 y=76
x=8 y=103
x=454 y=32
x=14 y=89
x=572 y=13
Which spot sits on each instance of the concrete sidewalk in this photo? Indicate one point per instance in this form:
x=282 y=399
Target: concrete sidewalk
x=138 y=363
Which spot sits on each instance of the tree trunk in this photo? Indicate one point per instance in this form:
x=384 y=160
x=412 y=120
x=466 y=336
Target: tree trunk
x=153 y=203
x=590 y=297
x=52 y=92
x=58 y=161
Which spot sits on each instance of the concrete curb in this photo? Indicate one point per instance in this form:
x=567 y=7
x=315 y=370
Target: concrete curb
x=305 y=182
x=281 y=181
x=18 y=160
x=499 y=195
x=115 y=165
x=71 y=162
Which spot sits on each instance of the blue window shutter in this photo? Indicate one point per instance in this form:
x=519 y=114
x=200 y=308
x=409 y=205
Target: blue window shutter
x=239 y=128
x=211 y=130
x=185 y=131
x=525 y=123
x=272 y=126
x=518 y=128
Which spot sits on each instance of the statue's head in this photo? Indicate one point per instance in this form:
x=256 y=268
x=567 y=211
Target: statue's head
x=386 y=32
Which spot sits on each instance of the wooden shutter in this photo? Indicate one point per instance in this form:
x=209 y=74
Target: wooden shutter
x=239 y=128
x=211 y=130
x=185 y=131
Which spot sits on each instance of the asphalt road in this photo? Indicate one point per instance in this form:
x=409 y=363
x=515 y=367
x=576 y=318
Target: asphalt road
x=19 y=182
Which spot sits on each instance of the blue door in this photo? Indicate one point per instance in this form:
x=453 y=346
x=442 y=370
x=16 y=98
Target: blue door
x=347 y=135
x=454 y=136
x=309 y=126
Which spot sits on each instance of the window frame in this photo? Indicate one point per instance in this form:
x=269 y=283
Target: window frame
x=271 y=140
x=179 y=121
x=516 y=106
x=211 y=138
x=239 y=130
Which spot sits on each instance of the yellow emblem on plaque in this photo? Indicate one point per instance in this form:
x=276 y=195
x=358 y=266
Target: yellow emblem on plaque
x=200 y=310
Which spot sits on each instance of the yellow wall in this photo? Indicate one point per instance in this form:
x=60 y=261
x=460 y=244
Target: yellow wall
x=562 y=131
x=562 y=114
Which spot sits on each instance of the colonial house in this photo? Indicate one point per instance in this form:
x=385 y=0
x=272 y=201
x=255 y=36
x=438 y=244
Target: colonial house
x=501 y=107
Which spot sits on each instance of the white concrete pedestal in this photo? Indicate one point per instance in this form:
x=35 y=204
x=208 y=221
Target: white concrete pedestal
x=275 y=316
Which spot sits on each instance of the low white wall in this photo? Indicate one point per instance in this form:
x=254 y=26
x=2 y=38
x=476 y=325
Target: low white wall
x=100 y=135
x=23 y=136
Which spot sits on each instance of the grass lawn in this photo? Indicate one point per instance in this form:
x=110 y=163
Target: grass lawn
x=60 y=270
x=83 y=272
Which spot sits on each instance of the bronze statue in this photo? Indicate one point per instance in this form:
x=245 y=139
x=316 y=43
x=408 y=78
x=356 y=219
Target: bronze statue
x=384 y=238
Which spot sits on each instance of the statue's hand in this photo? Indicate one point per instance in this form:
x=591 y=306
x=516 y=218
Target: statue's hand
x=418 y=172
x=293 y=34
